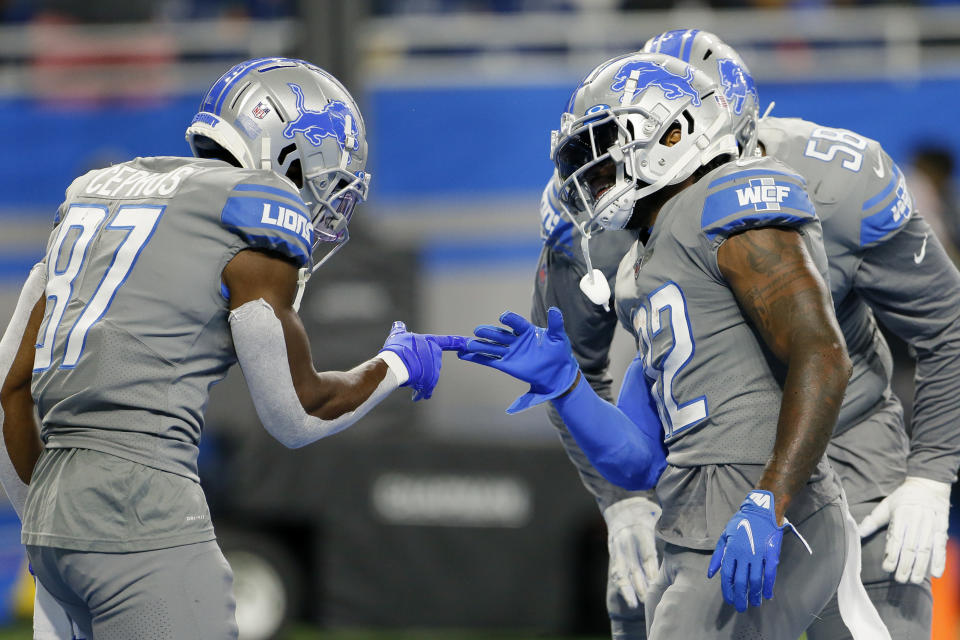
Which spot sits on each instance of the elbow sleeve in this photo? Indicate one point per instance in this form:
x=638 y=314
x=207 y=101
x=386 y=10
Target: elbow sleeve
x=262 y=354
x=621 y=450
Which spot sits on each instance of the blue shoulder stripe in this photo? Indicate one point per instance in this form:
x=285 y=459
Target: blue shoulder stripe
x=270 y=224
x=892 y=215
x=762 y=201
x=877 y=199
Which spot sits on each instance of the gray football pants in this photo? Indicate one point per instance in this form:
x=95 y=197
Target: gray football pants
x=683 y=603
x=906 y=609
x=179 y=593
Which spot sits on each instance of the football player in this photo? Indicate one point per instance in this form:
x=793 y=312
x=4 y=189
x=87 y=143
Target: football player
x=884 y=263
x=160 y=273
x=726 y=296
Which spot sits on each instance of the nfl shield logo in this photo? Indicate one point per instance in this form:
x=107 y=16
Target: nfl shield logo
x=260 y=111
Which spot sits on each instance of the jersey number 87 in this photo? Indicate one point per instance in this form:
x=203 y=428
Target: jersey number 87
x=65 y=262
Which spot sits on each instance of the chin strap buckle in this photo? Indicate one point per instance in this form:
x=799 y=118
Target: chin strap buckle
x=594 y=284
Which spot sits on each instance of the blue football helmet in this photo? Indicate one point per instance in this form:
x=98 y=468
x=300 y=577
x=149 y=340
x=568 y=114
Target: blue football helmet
x=293 y=118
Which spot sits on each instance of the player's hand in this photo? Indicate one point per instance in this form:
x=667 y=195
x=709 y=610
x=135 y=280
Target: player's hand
x=632 y=546
x=540 y=357
x=918 y=513
x=748 y=552
x=422 y=355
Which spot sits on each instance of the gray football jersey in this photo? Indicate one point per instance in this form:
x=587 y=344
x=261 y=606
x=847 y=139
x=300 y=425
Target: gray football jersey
x=886 y=262
x=717 y=386
x=858 y=207
x=135 y=330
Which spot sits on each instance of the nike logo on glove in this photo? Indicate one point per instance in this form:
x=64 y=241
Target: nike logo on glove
x=918 y=257
x=746 y=527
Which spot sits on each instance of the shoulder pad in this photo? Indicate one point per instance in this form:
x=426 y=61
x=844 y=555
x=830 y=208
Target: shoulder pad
x=75 y=189
x=888 y=208
x=754 y=194
x=268 y=213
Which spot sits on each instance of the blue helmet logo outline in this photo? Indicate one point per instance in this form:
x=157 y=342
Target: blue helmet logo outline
x=648 y=74
x=329 y=122
x=737 y=84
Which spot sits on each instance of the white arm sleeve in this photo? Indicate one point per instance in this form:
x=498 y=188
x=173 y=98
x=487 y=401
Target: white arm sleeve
x=262 y=353
x=9 y=344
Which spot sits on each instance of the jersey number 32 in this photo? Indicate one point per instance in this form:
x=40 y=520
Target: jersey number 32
x=675 y=415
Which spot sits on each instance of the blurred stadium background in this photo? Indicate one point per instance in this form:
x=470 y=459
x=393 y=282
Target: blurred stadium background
x=446 y=514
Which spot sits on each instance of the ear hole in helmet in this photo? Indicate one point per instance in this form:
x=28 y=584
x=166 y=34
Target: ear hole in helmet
x=287 y=150
x=689 y=119
x=672 y=135
x=708 y=53
x=295 y=173
x=207 y=148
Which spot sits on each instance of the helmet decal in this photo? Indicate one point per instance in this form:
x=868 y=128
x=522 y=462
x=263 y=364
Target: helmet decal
x=334 y=120
x=737 y=84
x=260 y=110
x=597 y=107
x=677 y=43
x=637 y=75
x=205 y=118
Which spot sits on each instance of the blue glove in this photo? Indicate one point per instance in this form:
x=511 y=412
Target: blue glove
x=748 y=552
x=541 y=357
x=421 y=355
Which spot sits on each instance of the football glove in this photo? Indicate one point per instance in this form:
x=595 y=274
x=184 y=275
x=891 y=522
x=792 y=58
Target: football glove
x=748 y=552
x=918 y=515
x=540 y=357
x=422 y=356
x=632 y=546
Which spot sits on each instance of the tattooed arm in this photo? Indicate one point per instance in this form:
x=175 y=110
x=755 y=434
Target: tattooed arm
x=779 y=289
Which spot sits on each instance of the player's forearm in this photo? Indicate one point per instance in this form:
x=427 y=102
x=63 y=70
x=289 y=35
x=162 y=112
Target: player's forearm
x=262 y=352
x=924 y=312
x=817 y=375
x=777 y=284
x=603 y=491
x=935 y=438
x=331 y=394
x=618 y=448
x=20 y=433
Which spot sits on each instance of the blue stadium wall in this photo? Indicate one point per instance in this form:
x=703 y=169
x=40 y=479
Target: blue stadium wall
x=434 y=142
